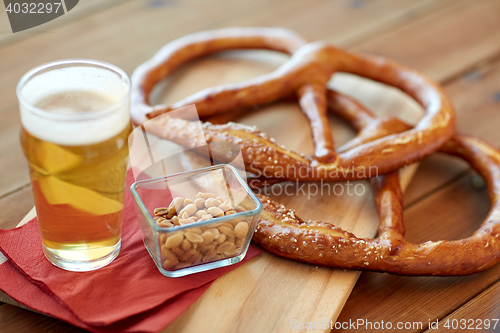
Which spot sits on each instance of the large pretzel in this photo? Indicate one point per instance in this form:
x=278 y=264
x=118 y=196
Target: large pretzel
x=280 y=230
x=305 y=74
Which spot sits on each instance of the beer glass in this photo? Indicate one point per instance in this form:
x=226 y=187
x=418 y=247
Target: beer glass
x=75 y=126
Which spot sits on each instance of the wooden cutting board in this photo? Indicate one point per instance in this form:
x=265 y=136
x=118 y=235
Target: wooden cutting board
x=271 y=294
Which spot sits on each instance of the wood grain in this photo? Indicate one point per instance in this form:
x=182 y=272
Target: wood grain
x=344 y=22
x=476 y=96
x=15 y=319
x=84 y=8
x=14 y=207
x=481 y=313
x=452 y=213
x=446 y=43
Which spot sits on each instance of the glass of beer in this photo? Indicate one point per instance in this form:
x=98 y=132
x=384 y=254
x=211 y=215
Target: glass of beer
x=75 y=126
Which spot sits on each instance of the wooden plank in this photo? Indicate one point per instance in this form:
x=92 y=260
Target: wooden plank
x=15 y=206
x=14 y=319
x=12 y=160
x=446 y=43
x=451 y=213
x=344 y=23
x=84 y=8
x=481 y=313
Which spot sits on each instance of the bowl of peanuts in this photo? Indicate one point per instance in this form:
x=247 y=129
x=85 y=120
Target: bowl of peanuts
x=197 y=220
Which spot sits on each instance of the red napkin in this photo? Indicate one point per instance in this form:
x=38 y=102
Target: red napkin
x=130 y=294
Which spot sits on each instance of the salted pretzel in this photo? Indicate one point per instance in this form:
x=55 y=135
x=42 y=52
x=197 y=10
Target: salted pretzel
x=282 y=232
x=279 y=230
x=306 y=74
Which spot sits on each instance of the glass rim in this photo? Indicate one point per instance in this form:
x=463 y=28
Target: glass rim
x=79 y=116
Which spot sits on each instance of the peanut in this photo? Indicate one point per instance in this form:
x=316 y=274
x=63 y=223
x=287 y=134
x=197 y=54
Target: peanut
x=176 y=205
x=189 y=209
x=207 y=248
x=196 y=259
x=165 y=224
x=211 y=202
x=215 y=211
x=185 y=245
x=241 y=230
x=174 y=240
x=226 y=224
x=175 y=220
x=209 y=256
x=168 y=264
x=200 y=203
x=215 y=232
x=186 y=221
x=199 y=214
x=194 y=238
x=224 y=247
x=168 y=255
x=203 y=244
x=188 y=254
x=177 y=251
x=159 y=219
x=221 y=238
x=160 y=211
x=195 y=231
x=208 y=237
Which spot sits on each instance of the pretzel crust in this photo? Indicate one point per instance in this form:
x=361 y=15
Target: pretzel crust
x=282 y=232
x=310 y=67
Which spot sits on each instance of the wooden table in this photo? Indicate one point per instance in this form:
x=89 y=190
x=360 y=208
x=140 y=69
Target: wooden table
x=456 y=42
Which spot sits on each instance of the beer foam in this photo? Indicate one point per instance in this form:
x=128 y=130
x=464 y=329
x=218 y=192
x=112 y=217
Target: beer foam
x=77 y=105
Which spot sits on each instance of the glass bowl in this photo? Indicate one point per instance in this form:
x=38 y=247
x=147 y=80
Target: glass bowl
x=198 y=246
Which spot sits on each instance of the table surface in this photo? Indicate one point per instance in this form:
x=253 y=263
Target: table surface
x=456 y=42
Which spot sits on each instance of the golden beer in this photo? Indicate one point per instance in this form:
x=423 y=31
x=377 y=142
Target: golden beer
x=75 y=138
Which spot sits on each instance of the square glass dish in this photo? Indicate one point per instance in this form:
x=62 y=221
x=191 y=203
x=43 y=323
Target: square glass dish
x=209 y=217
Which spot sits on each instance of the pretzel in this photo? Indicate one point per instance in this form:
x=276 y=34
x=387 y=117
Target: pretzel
x=283 y=233
x=306 y=74
x=385 y=143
